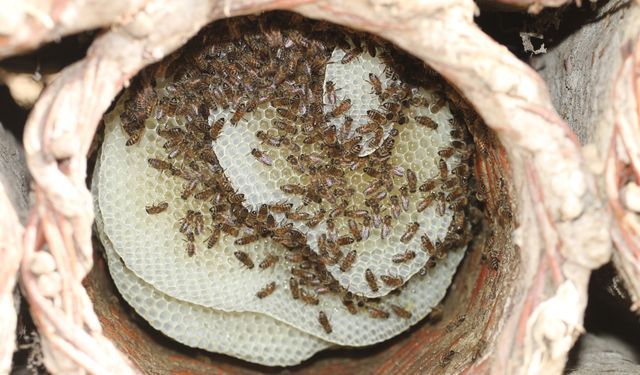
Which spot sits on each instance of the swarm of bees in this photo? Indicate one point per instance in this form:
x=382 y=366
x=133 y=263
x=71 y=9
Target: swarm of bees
x=277 y=63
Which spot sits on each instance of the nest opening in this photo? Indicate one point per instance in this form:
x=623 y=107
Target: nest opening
x=457 y=333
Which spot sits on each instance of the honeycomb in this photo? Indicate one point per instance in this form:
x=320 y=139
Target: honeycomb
x=252 y=337
x=215 y=279
x=292 y=176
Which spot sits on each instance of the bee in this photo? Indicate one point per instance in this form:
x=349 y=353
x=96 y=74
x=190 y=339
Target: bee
x=412 y=180
x=344 y=240
x=392 y=281
x=341 y=108
x=459 y=204
x=367 y=128
x=456 y=323
x=193 y=222
x=285 y=126
x=235 y=198
x=292 y=189
x=261 y=156
x=355 y=231
x=443 y=168
x=348 y=261
x=446 y=358
x=191 y=248
x=371 y=280
x=425 y=202
x=461 y=170
x=307 y=298
x=160 y=165
x=404 y=196
x=324 y=322
x=229 y=229
x=437 y=106
x=386 y=227
x=350 y=305
x=297 y=216
x=351 y=55
x=330 y=89
x=294 y=287
x=287 y=114
x=401 y=312
x=212 y=240
x=412 y=228
x=346 y=128
x=378 y=313
x=427 y=122
x=376 y=84
x=247 y=239
x=280 y=207
x=396 y=209
x=446 y=152
x=392 y=107
x=366 y=227
x=376 y=116
x=134 y=137
x=216 y=128
x=189 y=188
x=267 y=290
x=264 y=137
x=376 y=139
x=403 y=257
x=205 y=194
x=241 y=110
x=156 y=208
x=441 y=207
x=317 y=218
x=244 y=258
x=427 y=245
x=428 y=186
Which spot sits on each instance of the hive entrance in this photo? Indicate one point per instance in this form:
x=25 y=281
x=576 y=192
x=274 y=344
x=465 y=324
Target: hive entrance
x=235 y=188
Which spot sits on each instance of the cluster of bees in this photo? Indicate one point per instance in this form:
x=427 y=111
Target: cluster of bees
x=279 y=60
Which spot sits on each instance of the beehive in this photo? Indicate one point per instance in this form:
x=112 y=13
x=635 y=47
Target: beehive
x=214 y=174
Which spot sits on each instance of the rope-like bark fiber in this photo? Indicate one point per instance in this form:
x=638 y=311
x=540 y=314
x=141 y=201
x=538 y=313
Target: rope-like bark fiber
x=561 y=219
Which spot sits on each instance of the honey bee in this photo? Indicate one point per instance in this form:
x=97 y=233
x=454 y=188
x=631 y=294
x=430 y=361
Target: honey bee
x=324 y=322
x=355 y=231
x=441 y=207
x=396 y=209
x=295 y=163
x=264 y=137
x=216 y=128
x=261 y=156
x=134 y=137
x=160 y=165
x=425 y=202
x=376 y=116
x=294 y=288
x=205 y=194
x=244 y=258
x=267 y=290
x=386 y=227
x=189 y=188
x=400 y=312
x=461 y=170
x=427 y=245
x=350 y=305
x=287 y=114
x=280 y=207
x=348 y=261
x=344 y=240
x=446 y=358
x=376 y=84
x=241 y=110
x=392 y=281
x=235 y=198
x=191 y=248
x=427 y=121
x=392 y=107
x=297 y=216
x=366 y=227
x=412 y=228
x=351 y=55
x=307 y=298
x=367 y=128
x=341 y=108
x=404 y=195
x=212 y=240
x=376 y=139
x=437 y=106
x=156 y=208
x=377 y=313
x=346 y=128
x=317 y=218
x=403 y=257
x=443 y=168
x=330 y=89
x=371 y=280
x=193 y=222
x=446 y=152
x=247 y=239
x=292 y=189
x=412 y=180
x=285 y=126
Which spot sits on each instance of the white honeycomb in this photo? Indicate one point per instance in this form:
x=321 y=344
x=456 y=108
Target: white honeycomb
x=154 y=250
x=416 y=148
x=253 y=337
